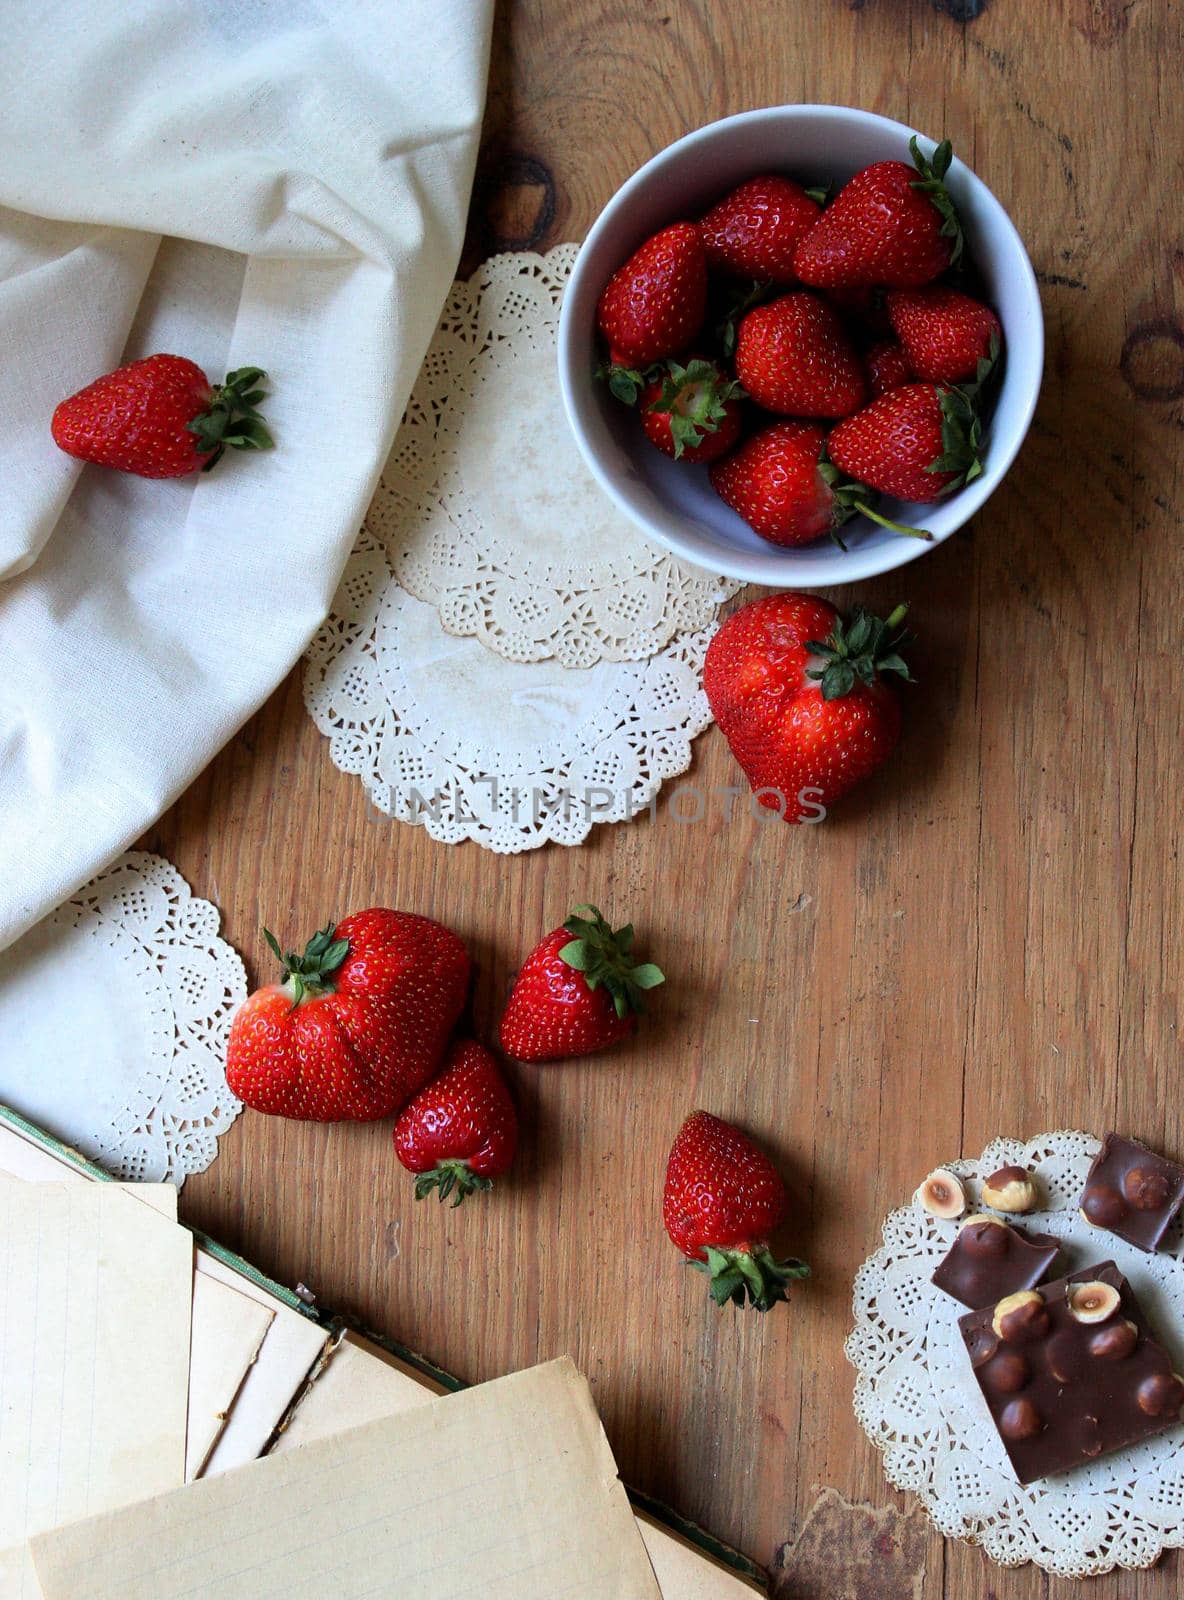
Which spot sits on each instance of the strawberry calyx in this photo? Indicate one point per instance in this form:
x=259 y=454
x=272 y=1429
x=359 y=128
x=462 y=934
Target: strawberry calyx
x=602 y=956
x=931 y=183
x=230 y=418
x=849 y=497
x=859 y=650
x=626 y=383
x=749 y=1276
x=961 y=437
x=988 y=368
x=738 y=304
x=455 y=1178
x=695 y=399
x=309 y=976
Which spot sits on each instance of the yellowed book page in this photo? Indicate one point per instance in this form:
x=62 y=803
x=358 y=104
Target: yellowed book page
x=363 y=1382
x=228 y=1329
x=508 y=1491
x=95 y=1296
x=162 y=1197
x=292 y=1346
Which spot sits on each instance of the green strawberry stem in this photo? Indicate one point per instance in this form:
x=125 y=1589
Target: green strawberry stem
x=603 y=957
x=744 y=1276
x=859 y=650
x=308 y=976
x=850 y=496
x=454 y=1178
x=887 y=522
x=230 y=418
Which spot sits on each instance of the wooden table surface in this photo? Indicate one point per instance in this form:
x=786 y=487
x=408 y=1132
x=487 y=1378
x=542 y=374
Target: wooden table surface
x=986 y=942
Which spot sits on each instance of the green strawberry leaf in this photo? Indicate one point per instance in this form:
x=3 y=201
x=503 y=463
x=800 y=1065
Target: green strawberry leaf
x=603 y=957
x=860 y=649
x=746 y=1277
x=931 y=183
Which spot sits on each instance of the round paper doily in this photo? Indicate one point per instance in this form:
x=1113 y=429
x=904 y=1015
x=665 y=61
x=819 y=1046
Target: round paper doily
x=918 y=1403
x=447 y=735
x=486 y=510
x=114 y=1011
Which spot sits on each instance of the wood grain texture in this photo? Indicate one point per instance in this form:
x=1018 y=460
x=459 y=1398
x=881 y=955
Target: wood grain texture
x=986 y=942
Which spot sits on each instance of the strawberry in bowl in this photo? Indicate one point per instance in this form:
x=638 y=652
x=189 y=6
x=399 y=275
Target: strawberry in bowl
x=845 y=258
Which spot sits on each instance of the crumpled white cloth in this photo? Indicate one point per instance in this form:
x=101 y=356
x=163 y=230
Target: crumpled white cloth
x=308 y=166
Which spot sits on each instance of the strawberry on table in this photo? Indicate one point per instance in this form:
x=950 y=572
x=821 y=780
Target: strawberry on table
x=947 y=335
x=358 y=1023
x=692 y=413
x=653 y=306
x=780 y=484
x=461 y=1131
x=753 y=231
x=917 y=442
x=793 y=356
x=887 y=368
x=722 y=1202
x=892 y=224
x=799 y=695
x=162 y=418
x=579 y=990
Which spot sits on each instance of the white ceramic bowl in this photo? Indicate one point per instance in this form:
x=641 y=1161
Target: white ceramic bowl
x=674 y=503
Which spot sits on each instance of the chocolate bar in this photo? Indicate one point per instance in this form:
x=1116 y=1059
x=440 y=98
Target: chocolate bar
x=990 y=1259
x=1071 y=1371
x=1132 y=1192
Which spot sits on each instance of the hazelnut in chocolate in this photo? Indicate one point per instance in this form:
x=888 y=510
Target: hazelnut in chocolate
x=1010 y=1189
x=991 y=1259
x=1132 y=1192
x=1071 y=1371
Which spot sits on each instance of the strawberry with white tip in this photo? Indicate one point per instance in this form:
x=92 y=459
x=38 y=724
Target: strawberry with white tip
x=692 y=413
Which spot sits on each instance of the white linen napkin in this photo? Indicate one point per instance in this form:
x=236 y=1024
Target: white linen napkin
x=308 y=164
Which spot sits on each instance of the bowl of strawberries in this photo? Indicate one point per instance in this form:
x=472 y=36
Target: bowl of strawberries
x=801 y=346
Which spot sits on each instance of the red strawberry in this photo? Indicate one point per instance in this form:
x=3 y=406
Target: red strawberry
x=798 y=696
x=161 y=418
x=578 y=991
x=357 y=1025
x=793 y=356
x=780 y=484
x=887 y=368
x=753 y=231
x=916 y=442
x=887 y=226
x=723 y=1200
x=946 y=335
x=460 y=1132
x=865 y=306
x=692 y=413
x=653 y=306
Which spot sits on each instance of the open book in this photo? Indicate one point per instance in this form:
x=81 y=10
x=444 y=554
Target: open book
x=267 y=1375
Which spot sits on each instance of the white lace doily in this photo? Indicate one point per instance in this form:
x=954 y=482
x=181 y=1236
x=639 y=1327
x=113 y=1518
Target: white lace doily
x=918 y=1402
x=486 y=510
x=513 y=756
x=114 y=1012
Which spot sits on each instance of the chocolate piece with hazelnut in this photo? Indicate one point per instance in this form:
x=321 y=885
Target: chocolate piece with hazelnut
x=1132 y=1192
x=990 y=1258
x=1071 y=1371
x=1011 y=1189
